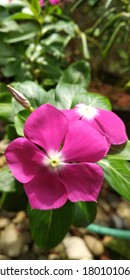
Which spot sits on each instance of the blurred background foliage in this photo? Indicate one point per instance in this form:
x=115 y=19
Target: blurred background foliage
x=38 y=43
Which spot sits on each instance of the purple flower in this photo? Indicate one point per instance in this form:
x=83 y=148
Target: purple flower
x=106 y=122
x=56 y=159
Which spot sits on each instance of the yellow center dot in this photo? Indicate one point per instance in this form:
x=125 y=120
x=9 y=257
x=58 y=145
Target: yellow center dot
x=54 y=162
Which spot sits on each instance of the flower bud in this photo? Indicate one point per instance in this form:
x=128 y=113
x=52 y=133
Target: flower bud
x=20 y=98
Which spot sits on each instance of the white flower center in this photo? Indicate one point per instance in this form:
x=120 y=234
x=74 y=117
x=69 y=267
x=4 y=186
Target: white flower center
x=86 y=111
x=54 y=160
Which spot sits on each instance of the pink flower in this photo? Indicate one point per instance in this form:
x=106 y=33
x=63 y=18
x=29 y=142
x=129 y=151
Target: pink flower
x=106 y=122
x=56 y=160
x=42 y=3
x=52 y=2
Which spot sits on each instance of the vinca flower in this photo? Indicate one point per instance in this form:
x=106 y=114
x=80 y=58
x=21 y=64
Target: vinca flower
x=52 y=2
x=106 y=122
x=56 y=160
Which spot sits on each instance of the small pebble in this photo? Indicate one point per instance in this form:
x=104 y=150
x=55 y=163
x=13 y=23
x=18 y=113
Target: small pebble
x=11 y=241
x=53 y=257
x=3 y=257
x=76 y=248
x=117 y=222
x=20 y=217
x=95 y=245
x=4 y=222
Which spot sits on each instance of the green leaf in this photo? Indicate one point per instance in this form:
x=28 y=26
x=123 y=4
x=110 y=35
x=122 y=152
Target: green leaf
x=6 y=51
x=26 y=31
x=6 y=111
x=8 y=25
x=77 y=73
x=15 y=201
x=49 y=227
x=11 y=132
x=120 y=246
x=61 y=25
x=92 y=99
x=3 y=12
x=117 y=175
x=85 y=213
x=19 y=121
x=66 y=92
x=5 y=96
x=11 y=69
x=23 y=16
x=35 y=5
x=121 y=155
x=34 y=93
x=7 y=183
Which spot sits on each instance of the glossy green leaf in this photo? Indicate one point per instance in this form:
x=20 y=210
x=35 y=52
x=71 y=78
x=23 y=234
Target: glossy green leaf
x=85 y=213
x=35 y=5
x=22 y=16
x=77 y=73
x=15 y=201
x=61 y=25
x=5 y=96
x=121 y=155
x=8 y=25
x=26 y=31
x=11 y=69
x=11 y=132
x=66 y=92
x=48 y=228
x=3 y=12
x=7 y=183
x=6 y=111
x=19 y=121
x=6 y=51
x=117 y=175
x=92 y=99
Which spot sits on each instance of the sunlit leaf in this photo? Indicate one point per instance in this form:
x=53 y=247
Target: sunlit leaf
x=77 y=73
x=121 y=155
x=117 y=175
x=92 y=99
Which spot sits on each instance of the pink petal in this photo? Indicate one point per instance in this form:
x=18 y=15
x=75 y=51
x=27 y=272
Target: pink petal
x=24 y=159
x=112 y=126
x=83 y=181
x=84 y=143
x=71 y=114
x=54 y=2
x=106 y=122
x=42 y=3
x=46 y=191
x=46 y=127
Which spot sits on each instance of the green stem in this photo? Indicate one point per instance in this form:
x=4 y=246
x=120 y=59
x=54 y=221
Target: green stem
x=84 y=45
